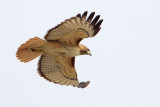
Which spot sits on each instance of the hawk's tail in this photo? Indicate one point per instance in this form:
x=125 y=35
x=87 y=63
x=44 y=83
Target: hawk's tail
x=30 y=50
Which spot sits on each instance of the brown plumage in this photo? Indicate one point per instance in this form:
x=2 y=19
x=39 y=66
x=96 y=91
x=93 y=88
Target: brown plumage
x=58 y=50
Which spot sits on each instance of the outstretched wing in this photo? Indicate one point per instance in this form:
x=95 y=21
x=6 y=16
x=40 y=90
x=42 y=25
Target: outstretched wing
x=75 y=29
x=60 y=70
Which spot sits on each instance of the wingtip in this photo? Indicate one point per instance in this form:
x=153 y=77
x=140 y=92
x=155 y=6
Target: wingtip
x=78 y=15
x=90 y=17
x=83 y=84
x=84 y=15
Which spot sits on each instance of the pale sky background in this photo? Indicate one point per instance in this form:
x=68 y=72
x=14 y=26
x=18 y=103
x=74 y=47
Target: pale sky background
x=125 y=67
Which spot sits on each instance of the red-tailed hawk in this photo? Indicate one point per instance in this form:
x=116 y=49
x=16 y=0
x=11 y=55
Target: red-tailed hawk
x=60 y=47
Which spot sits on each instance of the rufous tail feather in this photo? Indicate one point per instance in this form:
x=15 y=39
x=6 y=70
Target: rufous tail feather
x=30 y=50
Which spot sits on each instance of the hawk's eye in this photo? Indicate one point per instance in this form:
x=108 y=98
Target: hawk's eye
x=87 y=50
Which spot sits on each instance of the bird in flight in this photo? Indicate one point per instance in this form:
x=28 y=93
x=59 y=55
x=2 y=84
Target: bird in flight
x=60 y=47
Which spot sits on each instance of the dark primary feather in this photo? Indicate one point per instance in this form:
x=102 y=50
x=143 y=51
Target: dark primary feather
x=97 y=30
x=97 y=26
x=78 y=15
x=84 y=15
x=90 y=17
x=95 y=20
x=95 y=23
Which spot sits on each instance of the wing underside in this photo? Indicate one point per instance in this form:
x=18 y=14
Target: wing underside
x=54 y=69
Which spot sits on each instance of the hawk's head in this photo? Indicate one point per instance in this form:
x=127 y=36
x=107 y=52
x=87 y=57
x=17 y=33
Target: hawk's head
x=84 y=50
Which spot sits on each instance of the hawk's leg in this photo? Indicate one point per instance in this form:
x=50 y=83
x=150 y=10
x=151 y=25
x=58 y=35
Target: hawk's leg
x=36 y=49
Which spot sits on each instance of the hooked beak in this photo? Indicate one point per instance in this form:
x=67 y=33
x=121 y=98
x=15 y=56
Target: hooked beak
x=89 y=53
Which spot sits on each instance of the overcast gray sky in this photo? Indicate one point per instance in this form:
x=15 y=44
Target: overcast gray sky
x=125 y=67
